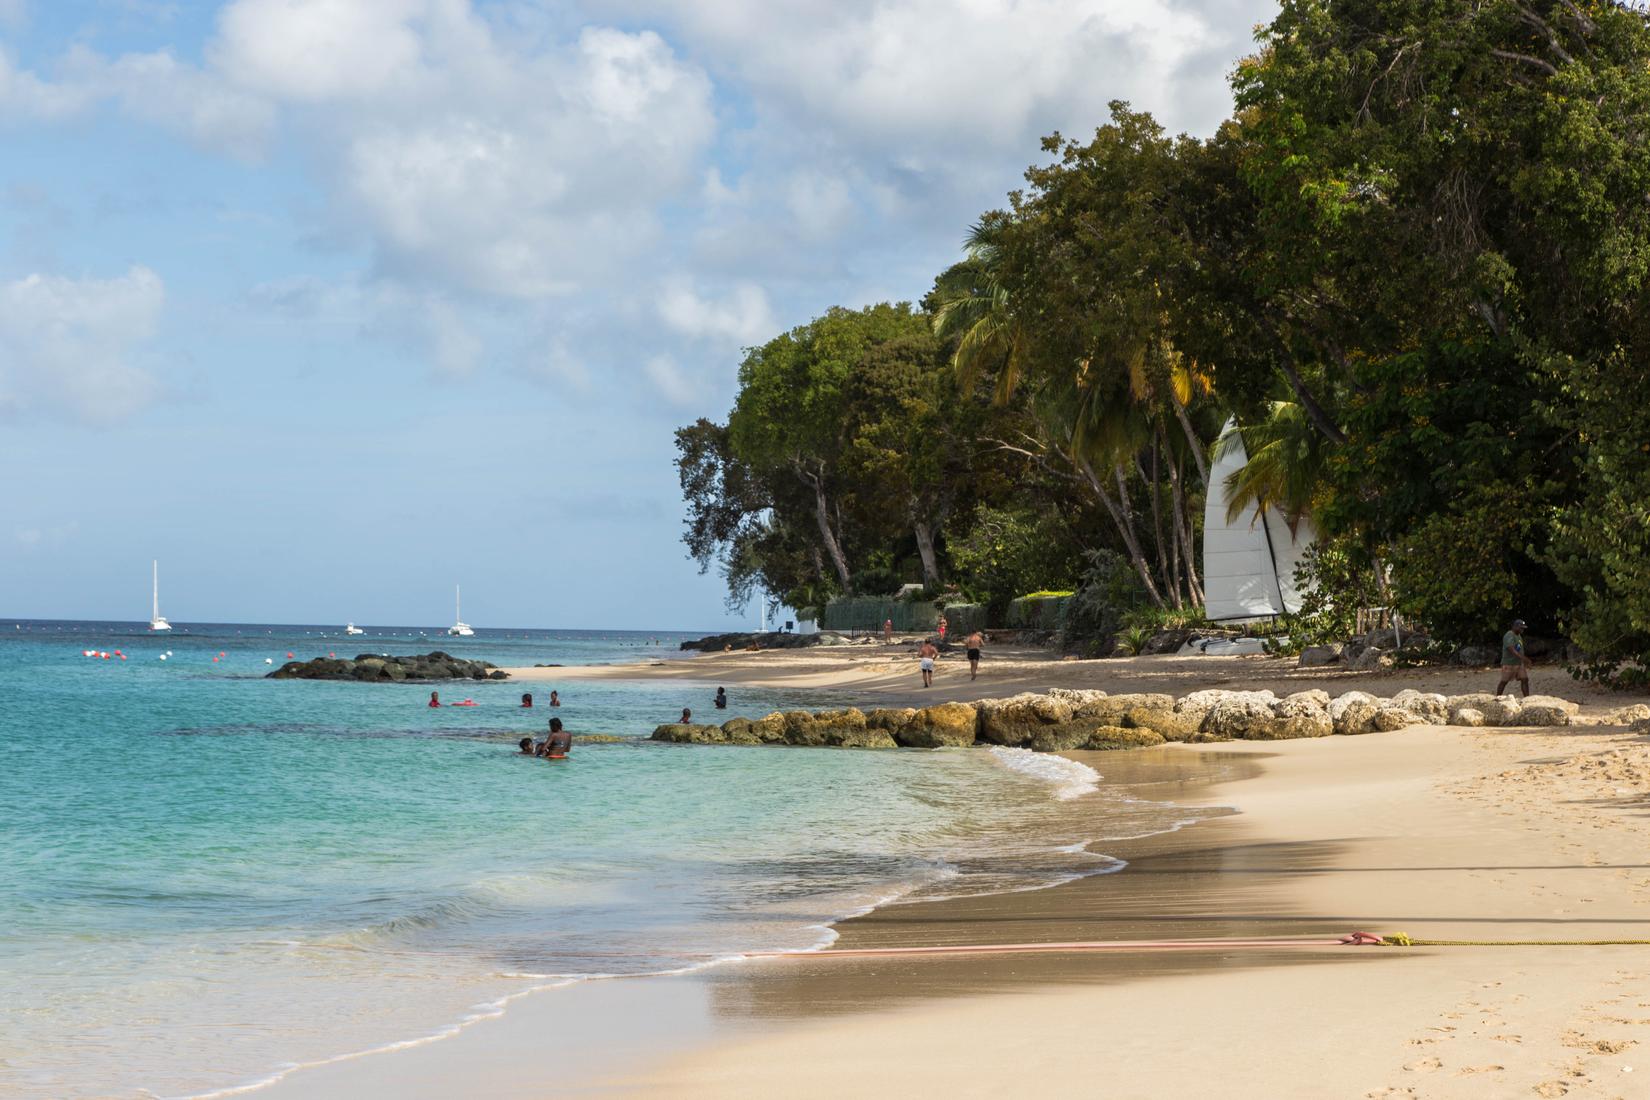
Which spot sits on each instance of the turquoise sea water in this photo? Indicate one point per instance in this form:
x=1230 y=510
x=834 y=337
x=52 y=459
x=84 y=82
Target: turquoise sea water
x=208 y=878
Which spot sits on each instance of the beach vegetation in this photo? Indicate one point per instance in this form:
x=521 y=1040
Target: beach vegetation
x=1413 y=265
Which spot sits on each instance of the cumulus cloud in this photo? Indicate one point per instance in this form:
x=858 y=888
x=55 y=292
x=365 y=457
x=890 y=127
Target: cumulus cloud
x=740 y=317
x=66 y=345
x=672 y=383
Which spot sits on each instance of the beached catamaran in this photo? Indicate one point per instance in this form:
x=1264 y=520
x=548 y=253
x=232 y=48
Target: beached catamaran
x=157 y=621
x=1248 y=561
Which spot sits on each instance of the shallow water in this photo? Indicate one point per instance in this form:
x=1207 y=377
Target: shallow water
x=209 y=877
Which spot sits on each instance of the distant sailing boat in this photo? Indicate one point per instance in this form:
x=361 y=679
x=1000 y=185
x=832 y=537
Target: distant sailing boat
x=460 y=628
x=156 y=620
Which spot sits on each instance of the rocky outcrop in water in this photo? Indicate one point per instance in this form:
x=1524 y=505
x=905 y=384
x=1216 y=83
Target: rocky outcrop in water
x=372 y=668
x=1068 y=719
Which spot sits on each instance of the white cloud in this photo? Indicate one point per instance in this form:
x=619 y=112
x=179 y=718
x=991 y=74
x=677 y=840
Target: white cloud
x=66 y=345
x=672 y=383
x=318 y=50
x=740 y=317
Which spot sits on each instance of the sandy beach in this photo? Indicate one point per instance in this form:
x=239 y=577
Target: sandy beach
x=1493 y=836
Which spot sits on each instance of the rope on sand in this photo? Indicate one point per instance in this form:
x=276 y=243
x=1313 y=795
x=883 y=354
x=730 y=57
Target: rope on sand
x=1354 y=939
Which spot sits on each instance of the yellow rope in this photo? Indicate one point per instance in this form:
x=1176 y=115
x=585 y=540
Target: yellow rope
x=1398 y=939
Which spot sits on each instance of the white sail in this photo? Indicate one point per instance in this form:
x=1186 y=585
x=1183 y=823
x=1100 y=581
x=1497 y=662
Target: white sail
x=460 y=628
x=1248 y=562
x=156 y=622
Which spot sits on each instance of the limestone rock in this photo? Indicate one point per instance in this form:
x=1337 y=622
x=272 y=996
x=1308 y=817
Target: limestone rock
x=1391 y=718
x=1562 y=704
x=1623 y=716
x=1196 y=706
x=1020 y=718
x=1467 y=716
x=687 y=733
x=1076 y=697
x=1104 y=738
x=1542 y=714
x=1318 y=656
x=1062 y=738
x=1641 y=725
x=1354 y=712
x=1431 y=707
x=1290 y=729
x=1240 y=718
x=889 y=718
x=1171 y=726
x=1371 y=660
x=1303 y=714
x=940 y=726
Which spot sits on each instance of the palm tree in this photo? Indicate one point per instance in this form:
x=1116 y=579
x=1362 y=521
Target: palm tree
x=1285 y=466
x=973 y=308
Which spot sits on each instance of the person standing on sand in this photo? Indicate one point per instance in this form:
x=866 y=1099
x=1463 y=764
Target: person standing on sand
x=888 y=632
x=975 y=641
x=943 y=626
x=925 y=661
x=1515 y=663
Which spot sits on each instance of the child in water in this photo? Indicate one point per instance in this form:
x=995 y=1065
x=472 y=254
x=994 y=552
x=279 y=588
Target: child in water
x=527 y=700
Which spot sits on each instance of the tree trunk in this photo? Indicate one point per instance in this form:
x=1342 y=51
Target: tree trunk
x=1151 y=484
x=1183 y=532
x=822 y=513
x=1125 y=527
x=925 y=547
x=1199 y=455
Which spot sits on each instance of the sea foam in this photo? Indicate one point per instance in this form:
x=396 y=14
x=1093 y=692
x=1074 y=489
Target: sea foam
x=1069 y=778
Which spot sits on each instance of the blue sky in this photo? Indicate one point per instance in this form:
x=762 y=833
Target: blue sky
x=332 y=304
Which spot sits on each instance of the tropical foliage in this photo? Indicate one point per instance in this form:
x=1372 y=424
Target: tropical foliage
x=1413 y=265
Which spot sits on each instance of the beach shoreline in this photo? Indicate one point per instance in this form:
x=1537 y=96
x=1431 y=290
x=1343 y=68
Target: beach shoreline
x=1432 y=831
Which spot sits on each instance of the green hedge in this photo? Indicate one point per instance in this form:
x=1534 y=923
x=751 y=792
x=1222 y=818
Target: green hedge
x=963 y=619
x=1038 y=612
x=866 y=614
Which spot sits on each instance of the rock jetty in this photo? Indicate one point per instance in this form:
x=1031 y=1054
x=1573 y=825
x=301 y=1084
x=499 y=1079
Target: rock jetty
x=372 y=668
x=1066 y=719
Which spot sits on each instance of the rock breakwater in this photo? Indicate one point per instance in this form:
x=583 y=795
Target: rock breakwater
x=1066 y=719
x=373 y=668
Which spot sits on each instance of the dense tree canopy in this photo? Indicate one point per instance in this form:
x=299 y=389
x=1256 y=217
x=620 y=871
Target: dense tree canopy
x=1413 y=265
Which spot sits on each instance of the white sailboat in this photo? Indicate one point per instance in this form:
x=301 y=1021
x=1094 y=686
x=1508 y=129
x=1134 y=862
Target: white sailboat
x=460 y=628
x=351 y=628
x=156 y=620
x=1248 y=563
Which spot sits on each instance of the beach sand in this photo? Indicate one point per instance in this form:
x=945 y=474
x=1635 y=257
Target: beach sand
x=1482 y=835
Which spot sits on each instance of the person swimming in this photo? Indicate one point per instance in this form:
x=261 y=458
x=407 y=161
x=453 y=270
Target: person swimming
x=527 y=700
x=527 y=748
x=687 y=716
x=555 y=700
x=558 y=744
x=721 y=699
x=435 y=698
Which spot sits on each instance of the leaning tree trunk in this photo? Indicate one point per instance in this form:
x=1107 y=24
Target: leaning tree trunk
x=1183 y=532
x=822 y=513
x=1162 y=544
x=925 y=548
x=1124 y=519
x=1199 y=455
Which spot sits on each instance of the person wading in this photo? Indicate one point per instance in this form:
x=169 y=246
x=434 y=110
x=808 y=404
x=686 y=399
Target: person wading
x=1515 y=663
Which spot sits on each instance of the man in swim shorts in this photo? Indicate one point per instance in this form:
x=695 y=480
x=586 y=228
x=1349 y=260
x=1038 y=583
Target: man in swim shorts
x=1515 y=664
x=925 y=661
x=975 y=641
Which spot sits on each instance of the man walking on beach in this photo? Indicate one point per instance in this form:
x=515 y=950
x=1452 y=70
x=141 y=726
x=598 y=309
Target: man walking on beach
x=888 y=632
x=975 y=641
x=925 y=661
x=1514 y=662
